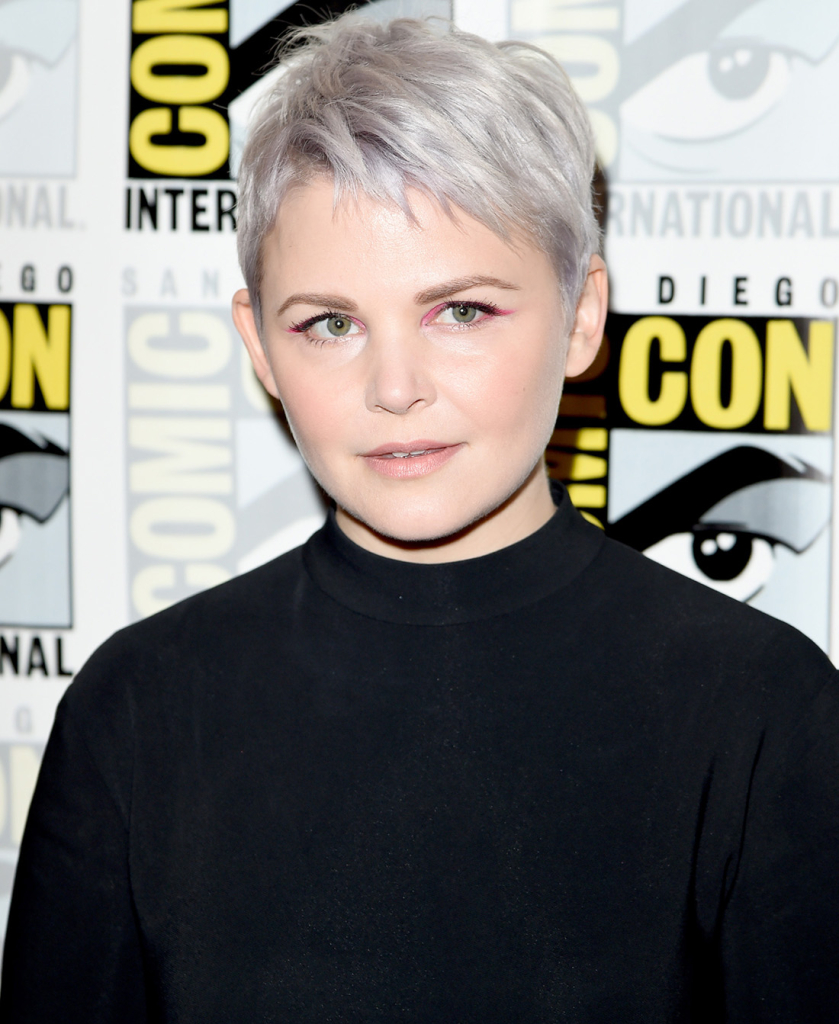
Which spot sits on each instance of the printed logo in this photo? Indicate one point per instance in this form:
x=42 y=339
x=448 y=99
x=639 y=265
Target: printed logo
x=38 y=67
x=699 y=90
x=19 y=765
x=708 y=89
x=714 y=454
x=215 y=483
x=198 y=67
x=35 y=584
x=180 y=77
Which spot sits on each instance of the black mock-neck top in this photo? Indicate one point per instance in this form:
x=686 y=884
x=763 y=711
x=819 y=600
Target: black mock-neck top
x=554 y=783
x=452 y=593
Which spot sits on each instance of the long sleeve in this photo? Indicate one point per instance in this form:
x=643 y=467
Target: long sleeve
x=72 y=950
x=780 y=939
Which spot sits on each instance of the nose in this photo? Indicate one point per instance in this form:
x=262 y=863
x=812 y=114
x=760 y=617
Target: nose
x=399 y=377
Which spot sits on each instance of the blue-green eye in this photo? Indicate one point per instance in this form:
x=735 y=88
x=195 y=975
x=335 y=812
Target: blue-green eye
x=327 y=327
x=461 y=313
x=464 y=314
x=338 y=325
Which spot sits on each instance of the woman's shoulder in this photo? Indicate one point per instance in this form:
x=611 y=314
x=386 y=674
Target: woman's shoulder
x=200 y=638
x=708 y=635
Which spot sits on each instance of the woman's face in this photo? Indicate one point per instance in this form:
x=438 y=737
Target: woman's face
x=420 y=366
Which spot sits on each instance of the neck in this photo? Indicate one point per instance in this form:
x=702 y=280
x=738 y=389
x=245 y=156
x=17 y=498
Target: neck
x=523 y=513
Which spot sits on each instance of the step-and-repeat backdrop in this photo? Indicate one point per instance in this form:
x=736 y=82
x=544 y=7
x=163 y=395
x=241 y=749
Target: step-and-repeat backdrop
x=140 y=461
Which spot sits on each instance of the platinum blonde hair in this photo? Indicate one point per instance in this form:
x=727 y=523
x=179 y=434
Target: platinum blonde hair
x=496 y=130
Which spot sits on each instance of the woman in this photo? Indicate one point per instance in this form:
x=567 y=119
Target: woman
x=459 y=758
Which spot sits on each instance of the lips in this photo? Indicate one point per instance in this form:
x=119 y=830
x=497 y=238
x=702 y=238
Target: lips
x=408 y=450
x=410 y=459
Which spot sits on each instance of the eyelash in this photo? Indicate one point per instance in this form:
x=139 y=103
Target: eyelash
x=303 y=326
x=483 y=307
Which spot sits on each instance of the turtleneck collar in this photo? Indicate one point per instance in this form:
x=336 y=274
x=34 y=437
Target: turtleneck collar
x=447 y=593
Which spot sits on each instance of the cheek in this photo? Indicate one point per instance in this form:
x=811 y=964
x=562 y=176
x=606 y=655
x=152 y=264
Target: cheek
x=517 y=392
x=314 y=414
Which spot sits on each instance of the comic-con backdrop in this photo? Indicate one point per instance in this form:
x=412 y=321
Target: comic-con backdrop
x=140 y=461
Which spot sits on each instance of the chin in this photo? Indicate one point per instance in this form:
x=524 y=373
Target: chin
x=406 y=525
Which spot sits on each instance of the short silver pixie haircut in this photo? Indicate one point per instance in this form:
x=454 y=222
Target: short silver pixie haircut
x=494 y=129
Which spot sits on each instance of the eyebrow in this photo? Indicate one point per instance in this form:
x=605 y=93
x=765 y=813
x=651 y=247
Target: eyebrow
x=433 y=294
x=312 y=299
x=460 y=284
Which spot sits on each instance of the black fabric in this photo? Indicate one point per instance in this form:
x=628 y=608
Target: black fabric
x=558 y=783
x=453 y=592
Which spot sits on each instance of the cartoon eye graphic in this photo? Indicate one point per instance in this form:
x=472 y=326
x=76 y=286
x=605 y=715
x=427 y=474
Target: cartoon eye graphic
x=723 y=523
x=738 y=71
x=34 y=478
x=736 y=563
x=711 y=94
x=15 y=75
x=9 y=533
x=34 y=35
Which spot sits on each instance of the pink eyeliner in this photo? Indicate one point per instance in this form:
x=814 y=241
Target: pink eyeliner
x=483 y=307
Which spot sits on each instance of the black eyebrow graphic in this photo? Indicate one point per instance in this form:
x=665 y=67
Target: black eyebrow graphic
x=33 y=477
x=679 y=507
x=255 y=55
x=692 y=27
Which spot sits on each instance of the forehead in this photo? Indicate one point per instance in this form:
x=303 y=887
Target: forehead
x=360 y=236
x=316 y=205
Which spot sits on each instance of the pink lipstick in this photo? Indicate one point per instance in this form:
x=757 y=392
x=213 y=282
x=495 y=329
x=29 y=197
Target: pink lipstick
x=404 y=460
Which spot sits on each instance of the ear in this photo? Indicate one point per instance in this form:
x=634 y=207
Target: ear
x=243 y=318
x=589 y=321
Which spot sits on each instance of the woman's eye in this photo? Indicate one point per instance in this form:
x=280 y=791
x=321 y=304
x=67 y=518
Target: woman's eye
x=461 y=313
x=333 y=327
x=464 y=314
x=734 y=562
